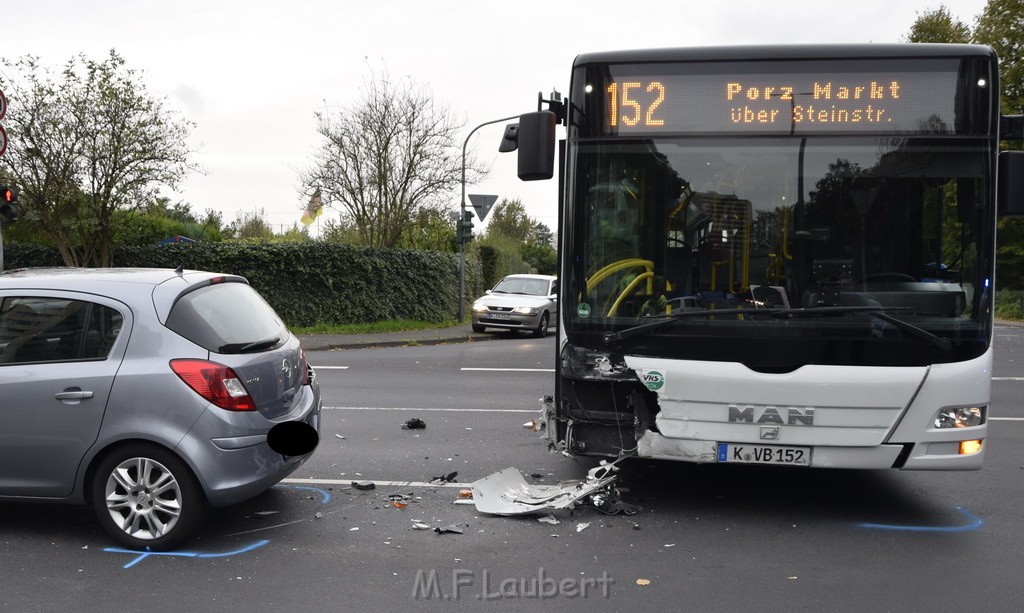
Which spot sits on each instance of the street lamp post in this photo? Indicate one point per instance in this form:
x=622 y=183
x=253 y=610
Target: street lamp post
x=462 y=215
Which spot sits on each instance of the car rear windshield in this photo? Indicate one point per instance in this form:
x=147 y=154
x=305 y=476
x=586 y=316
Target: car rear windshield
x=227 y=318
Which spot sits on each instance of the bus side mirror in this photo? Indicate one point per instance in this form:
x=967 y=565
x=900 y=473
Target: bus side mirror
x=1010 y=192
x=536 y=140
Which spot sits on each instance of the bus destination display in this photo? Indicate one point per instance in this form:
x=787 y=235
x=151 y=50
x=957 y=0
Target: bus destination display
x=904 y=102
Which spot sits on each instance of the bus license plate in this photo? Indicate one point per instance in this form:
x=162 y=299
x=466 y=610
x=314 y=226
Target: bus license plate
x=764 y=454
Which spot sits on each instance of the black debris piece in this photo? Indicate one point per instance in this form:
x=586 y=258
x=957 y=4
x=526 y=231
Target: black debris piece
x=364 y=485
x=609 y=502
x=449 y=478
x=452 y=529
x=414 y=424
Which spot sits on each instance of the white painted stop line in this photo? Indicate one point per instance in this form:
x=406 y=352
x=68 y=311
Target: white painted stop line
x=300 y=481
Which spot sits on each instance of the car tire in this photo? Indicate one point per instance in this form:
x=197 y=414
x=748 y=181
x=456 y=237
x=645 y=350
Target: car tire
x=477 y=328
x=542 y=327
x=146 y=498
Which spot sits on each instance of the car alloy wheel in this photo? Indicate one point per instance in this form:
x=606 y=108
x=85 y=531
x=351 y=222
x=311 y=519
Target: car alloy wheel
x=145 y=497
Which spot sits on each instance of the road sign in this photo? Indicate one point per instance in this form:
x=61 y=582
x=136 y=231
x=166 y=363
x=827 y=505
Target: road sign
x=3 y=104
x=3 y=140
x=482 y=204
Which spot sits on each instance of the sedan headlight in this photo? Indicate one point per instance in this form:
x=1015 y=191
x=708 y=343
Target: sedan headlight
x=525 y=310
x=479 y=307
x=960 y=417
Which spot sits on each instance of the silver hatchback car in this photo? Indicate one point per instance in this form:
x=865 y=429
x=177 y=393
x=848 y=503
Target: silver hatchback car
x=150 y=394
x=518 y=302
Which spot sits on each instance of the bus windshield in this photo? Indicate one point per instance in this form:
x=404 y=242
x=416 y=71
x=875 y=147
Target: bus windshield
x=675 y=224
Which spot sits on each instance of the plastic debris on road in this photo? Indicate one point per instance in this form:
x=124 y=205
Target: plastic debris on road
x=580 y=527
x=414 y=424
x=548 y=519
x=507 y=492
x=449 y=478
x=534 y=424
x=452 y=529
x=364 y=485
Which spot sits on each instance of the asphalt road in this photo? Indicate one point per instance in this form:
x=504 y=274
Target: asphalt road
x=706 y=537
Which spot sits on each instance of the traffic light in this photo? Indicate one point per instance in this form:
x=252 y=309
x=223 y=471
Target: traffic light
x=465 y=229
x=8 y=202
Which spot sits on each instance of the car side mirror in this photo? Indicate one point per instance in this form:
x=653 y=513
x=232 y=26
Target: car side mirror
x=487 y=292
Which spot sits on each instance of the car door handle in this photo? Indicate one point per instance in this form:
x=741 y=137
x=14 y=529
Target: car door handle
x=73 y=395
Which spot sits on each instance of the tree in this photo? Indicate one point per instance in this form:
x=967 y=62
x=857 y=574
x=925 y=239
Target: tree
x=386 y=157
x=938 y=26
x=509 y=218
x=534 y=239
x=1001 y=26
x=250 y=226
x=430 y=230
x=86 y=144
x=160 y=220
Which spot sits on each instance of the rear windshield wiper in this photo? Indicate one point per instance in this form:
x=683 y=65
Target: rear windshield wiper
x=934 y=340
x=248 y=347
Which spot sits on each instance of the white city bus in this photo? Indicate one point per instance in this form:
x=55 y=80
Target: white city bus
x=777 y=255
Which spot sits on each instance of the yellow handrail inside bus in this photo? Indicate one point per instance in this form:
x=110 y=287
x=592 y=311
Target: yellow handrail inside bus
x=615 y=267
x=648 y=276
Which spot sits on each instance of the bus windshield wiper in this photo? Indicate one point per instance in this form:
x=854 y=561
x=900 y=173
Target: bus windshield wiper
x=938 y=342
x=646 y=328
x=934 y=340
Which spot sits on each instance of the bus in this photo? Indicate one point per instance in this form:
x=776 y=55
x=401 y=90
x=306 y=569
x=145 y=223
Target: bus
x=777 y=255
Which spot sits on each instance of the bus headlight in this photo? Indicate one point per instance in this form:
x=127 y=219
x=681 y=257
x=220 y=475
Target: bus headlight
x=960 y=417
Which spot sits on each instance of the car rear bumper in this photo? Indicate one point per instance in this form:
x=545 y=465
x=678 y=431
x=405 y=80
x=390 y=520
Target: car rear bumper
x=229 y=453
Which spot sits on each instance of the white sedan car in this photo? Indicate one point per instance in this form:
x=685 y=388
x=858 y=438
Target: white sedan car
x=518 y=302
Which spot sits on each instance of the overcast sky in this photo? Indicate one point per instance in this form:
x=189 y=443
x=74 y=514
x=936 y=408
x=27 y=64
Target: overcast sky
x=251 y=73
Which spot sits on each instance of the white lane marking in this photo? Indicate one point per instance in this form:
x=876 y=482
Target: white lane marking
x=1006 y=418
x=511 y=369
x=426 y=409
x=476 y=369
x=1008 y=378
x=300 y=481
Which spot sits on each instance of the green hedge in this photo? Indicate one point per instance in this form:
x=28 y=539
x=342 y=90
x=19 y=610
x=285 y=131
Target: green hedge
x=1010 y=304
x=311 y=283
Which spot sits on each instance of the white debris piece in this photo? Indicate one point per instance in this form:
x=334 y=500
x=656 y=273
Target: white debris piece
x=507 y=492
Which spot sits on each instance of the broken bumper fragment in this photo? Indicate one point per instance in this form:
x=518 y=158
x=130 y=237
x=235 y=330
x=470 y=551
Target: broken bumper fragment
x=507 y=492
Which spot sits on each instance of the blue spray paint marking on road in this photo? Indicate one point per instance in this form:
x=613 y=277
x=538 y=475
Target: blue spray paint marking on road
x=325 y=496
x=142 y=555
x=974 y=524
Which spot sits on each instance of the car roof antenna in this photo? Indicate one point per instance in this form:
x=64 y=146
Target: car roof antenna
x=180 y=269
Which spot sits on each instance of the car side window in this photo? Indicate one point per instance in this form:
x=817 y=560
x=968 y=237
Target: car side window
x=44 y=329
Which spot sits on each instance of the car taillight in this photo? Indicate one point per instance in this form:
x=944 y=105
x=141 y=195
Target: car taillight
x=215 y=382
x=307 y=372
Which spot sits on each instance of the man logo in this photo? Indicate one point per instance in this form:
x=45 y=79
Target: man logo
x=653 y=379
x=772 y=415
